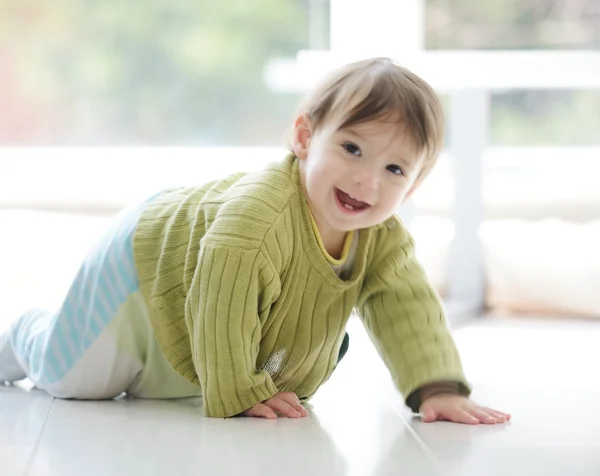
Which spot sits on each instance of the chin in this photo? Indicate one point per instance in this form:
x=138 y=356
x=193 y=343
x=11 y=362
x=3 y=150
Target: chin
x=346 y=227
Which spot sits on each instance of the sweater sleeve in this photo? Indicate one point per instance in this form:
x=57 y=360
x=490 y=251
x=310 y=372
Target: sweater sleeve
x=231 y=289
x=405 y=320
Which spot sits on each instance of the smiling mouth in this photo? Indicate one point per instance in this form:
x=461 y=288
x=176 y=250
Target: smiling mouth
x=350 y=203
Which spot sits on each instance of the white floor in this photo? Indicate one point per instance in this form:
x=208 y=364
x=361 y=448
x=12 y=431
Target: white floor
x=543 y=372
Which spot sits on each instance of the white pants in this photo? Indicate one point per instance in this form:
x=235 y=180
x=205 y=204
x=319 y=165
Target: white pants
x=100 y=343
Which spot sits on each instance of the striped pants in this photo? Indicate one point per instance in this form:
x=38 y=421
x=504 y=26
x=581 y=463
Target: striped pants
x=100 y=343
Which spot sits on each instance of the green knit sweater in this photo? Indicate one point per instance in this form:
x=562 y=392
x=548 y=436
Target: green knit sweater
x=245 y=304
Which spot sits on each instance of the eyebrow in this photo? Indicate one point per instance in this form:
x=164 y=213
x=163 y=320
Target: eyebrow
x=354 y=133
x=406 y=164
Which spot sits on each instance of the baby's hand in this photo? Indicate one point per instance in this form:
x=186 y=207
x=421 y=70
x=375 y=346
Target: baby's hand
x=285 y=403
x=458 y=409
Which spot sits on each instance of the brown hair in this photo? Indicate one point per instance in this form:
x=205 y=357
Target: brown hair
x=377 y=89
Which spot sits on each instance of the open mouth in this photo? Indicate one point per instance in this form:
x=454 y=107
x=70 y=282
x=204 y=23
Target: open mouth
x=350 y=203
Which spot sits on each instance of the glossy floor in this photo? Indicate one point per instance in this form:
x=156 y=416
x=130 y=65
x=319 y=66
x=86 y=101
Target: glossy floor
x=545 y=372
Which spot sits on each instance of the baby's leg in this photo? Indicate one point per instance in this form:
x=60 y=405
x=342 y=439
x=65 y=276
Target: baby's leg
x=64 y=364
x=136 y=339
x=124 y=357
x=75 y=352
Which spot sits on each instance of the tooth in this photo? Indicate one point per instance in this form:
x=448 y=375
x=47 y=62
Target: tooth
x=349 y=207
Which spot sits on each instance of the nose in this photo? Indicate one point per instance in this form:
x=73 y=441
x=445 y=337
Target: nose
x=366 y=178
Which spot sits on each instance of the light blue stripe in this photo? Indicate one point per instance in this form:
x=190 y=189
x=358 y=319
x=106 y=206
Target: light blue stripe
x=127 y=270
x=66 y=330
x=76 y=328
x=103 y=283
x=98 y=310
x=45 y=373
x=31 y=345
x=106 y=301
x=108 y=296
x=116 y=277
x=60 y=347
x=58 y=360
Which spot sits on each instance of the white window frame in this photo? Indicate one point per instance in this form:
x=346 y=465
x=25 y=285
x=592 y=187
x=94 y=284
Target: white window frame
x=361 y=29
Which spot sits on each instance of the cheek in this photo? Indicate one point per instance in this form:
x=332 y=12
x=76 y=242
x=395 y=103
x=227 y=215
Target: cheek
x=324 y=171
x=317 y=180
x=393 y=197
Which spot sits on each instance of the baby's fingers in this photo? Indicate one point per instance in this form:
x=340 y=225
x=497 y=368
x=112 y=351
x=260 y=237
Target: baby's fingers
x=500 y=416
x=292 y=399
x=485 y=416
x=462 y=416
x=283 y=407
x=260 y=410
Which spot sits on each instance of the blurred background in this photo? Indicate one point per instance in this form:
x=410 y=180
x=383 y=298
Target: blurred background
x=102 y=103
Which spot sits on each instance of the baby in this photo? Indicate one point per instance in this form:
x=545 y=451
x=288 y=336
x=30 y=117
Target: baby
x=240 y=290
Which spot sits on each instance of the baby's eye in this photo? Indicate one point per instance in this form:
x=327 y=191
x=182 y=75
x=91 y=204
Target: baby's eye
x=395 y=169
x=352 y=149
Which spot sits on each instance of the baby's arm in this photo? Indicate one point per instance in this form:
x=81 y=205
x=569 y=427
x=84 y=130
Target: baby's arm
x=406 y=321
x=231 y=288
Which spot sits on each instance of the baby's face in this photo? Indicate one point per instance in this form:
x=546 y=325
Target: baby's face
x=358 y=176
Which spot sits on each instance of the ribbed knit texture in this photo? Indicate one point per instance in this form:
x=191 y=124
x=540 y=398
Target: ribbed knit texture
x=244 y=303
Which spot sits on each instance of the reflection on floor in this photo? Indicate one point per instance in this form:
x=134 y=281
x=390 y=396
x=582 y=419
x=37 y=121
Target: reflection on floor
x=542 y=371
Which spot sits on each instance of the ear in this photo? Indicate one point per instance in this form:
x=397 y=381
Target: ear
x=302 y=136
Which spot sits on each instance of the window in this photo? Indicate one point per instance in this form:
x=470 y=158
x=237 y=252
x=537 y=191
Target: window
x=139 y=73
x=526 y=117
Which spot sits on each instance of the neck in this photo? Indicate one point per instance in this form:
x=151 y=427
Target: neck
x=333 y=243
x=332 y=240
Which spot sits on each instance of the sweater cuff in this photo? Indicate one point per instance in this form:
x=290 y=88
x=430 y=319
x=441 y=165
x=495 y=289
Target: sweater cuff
x=413 y=401
x=233 y=407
